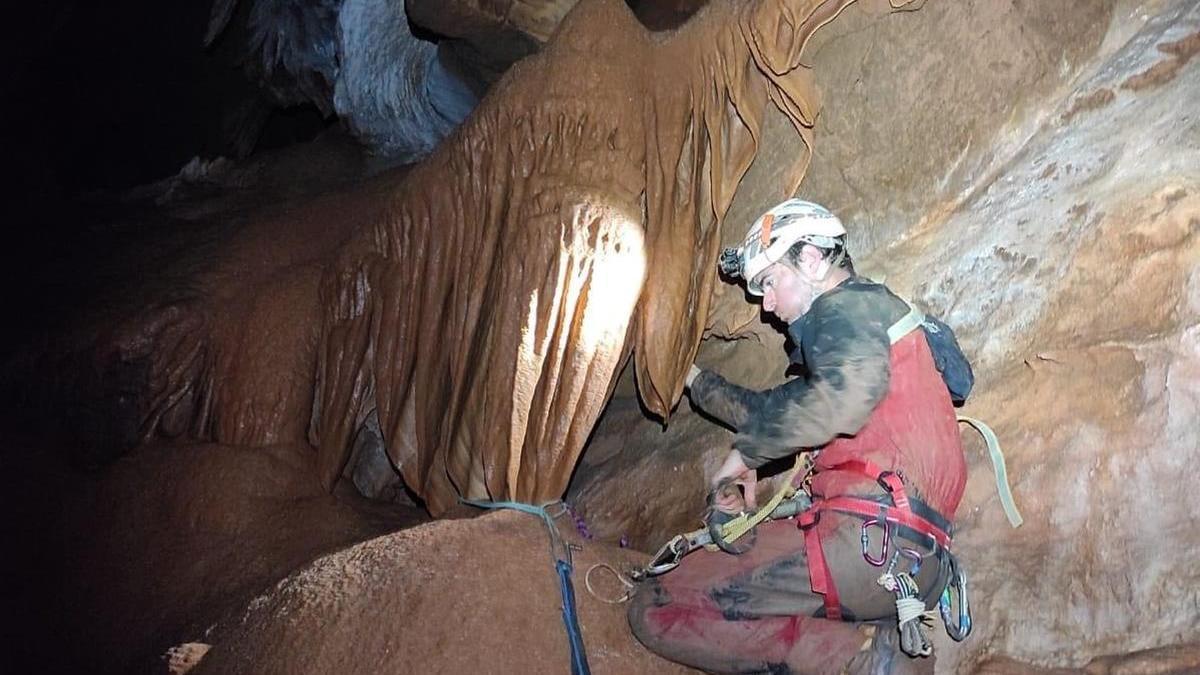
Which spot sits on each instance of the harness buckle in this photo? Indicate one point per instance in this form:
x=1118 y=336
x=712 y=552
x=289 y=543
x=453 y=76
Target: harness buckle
x=891 y=481
x=808 y=519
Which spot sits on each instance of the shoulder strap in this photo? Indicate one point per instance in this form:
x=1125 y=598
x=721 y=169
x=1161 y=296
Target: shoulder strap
x=907 y=323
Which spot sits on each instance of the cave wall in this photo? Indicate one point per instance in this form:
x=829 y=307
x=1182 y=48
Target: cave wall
x=1089 y=352
x=1065 y=253
x=485 y=316
x=898 y=109
x=1054 y=226
x=921 y=104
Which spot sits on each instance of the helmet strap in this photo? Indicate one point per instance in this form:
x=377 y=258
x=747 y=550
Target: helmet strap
x=836 y=261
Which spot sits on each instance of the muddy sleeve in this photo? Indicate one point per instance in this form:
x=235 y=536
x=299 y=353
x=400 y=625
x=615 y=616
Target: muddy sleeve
x=848 y=360
x=724 y=400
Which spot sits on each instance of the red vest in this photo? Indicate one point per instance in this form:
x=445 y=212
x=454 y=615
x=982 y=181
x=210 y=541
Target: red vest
x=913 y=431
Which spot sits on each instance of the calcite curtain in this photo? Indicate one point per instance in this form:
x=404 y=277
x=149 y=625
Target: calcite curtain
x=574 y=218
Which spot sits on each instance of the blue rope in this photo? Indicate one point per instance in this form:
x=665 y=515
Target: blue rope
x=564 y=567
x=579 y=664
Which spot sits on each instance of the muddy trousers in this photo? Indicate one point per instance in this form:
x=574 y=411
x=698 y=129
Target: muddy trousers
x=756 y=612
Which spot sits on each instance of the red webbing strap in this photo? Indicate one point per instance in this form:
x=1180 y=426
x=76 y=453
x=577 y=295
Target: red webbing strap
x=888 y=479
x=820 y=577
x=870 y=509
x=819 y=574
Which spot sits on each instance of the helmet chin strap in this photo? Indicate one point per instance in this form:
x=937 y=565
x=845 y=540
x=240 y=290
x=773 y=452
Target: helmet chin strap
x=825 y=274
x=831 y=265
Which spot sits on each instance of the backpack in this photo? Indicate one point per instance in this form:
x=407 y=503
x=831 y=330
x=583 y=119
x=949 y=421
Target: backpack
x=947 y=355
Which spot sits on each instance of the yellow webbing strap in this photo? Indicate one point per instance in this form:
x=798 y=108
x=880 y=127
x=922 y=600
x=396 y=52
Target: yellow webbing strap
x=744 y=523
x=993 y=446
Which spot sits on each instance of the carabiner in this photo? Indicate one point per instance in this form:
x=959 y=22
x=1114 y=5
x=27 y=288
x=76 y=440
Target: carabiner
x=916 y=558
x=960 y=629
x=665 y=560
x=865 y=539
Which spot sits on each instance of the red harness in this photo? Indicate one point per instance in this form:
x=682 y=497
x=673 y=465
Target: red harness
x=900 y=513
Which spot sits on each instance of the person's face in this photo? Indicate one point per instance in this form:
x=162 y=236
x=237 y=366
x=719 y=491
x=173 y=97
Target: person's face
x=787 y=292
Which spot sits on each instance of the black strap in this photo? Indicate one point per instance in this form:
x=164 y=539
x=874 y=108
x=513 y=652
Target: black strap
x=918 y=507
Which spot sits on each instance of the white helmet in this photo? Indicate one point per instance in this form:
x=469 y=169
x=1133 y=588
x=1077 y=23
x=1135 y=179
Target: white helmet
x=775 y=232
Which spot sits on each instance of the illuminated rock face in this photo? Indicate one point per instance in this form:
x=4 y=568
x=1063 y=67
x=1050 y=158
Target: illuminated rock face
x=481 y=304
x=485 y=317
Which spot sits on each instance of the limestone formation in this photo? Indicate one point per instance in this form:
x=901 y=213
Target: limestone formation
x=518 y=311
x=482 y=303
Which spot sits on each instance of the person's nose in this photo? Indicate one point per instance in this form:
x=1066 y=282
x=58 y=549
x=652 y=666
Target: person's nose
x=769 y=300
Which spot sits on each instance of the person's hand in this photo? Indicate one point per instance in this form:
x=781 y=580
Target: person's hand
x=733 y=474
x=691 y=376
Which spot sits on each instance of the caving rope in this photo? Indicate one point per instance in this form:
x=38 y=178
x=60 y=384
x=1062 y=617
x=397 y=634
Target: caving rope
x=720 y=532
x=560 y=553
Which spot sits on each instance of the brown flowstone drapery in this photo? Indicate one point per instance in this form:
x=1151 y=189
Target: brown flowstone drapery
x=483 y=302
x=575 y=217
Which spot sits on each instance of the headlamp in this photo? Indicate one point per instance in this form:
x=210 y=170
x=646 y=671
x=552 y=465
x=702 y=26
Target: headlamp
x=730 y=262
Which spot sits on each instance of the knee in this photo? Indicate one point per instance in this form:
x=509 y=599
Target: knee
x=639 y=607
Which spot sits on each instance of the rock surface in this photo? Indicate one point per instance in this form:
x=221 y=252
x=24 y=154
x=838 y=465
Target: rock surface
x=453 y=596
x=1051 y=215
x=115 y=568
x=1066 y=260
x=481 y=303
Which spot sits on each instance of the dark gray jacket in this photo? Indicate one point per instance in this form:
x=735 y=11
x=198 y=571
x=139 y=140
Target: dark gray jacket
x=843 y=346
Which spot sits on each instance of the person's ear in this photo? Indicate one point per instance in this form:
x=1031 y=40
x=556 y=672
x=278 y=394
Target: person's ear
x=810 y=259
